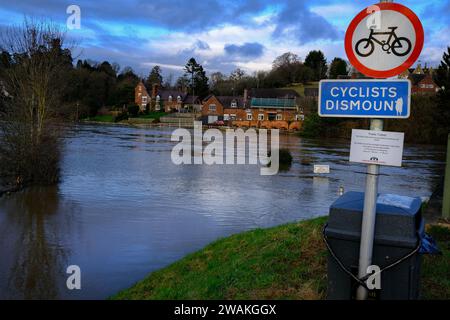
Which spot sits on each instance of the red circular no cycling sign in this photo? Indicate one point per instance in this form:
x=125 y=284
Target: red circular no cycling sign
x=384 y=40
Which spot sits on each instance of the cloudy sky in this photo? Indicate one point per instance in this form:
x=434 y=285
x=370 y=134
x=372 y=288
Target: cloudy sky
x=220 y=34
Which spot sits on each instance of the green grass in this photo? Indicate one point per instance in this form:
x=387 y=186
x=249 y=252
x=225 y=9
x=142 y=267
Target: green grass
x=436 y=269
x=152 y=115
x=285 y=262
x=103 y=118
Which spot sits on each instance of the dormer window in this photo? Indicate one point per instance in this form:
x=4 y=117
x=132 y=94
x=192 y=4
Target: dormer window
x=233 y=104
x=158 y=98
x=170 y=98
x=179 y=99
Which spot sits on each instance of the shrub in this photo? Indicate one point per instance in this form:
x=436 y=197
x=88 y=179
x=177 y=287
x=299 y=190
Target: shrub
x=285 y=157
x=133 y=110
x=121 y=116
x=30 y=161
x=312 y=126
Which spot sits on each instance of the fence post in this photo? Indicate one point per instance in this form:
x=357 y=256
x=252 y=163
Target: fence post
x=446 y=195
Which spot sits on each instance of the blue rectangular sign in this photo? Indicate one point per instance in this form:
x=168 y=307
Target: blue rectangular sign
x=361 y=98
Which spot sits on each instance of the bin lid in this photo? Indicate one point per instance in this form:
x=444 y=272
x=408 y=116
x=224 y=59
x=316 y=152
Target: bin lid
x=386 y=203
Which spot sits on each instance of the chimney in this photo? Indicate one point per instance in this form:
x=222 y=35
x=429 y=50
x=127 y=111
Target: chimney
x=154 y=90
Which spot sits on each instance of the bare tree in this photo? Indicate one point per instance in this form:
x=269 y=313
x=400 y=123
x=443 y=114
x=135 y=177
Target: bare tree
x=34 y=81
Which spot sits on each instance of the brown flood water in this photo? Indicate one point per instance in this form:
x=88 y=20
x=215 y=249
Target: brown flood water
x=123 y=210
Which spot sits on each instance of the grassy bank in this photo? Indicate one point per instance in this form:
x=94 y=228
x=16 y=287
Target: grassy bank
x=153 y=115
x=110 y=118
x=285 y=262
x=102 y=118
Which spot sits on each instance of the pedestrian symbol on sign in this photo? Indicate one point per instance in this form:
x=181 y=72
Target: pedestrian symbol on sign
x=399 y=106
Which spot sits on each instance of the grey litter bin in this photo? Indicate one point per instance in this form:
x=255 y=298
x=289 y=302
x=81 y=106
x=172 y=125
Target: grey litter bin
x=398 y=226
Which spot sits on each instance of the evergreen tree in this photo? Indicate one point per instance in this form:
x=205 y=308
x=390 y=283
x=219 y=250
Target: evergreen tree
x=338 y=68
x=154 y=77
x=317 y=62
x=442 y=78
x=198 y=79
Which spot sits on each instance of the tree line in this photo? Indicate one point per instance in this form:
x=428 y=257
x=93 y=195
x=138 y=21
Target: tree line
x=287 y=69
x=86 y=86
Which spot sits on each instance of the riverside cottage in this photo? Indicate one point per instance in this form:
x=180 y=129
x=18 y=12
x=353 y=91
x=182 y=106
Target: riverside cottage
x=260 y=108
x=422 y=82
x=163 y=100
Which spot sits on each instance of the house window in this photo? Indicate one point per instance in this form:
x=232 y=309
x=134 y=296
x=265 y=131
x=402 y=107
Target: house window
x=226 y=117
x=179 y=99
x=144 y=99
x=212 y=108
x=261 y=116
x=249 y=116
x=158 y=98
x=279 y=116
x=234 y=104
x=170 y=99
x=299 y=117
x=233 y=116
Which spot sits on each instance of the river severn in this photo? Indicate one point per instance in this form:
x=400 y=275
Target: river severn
x=123 y=209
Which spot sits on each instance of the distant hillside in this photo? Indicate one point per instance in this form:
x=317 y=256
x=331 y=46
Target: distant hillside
x=300 y=87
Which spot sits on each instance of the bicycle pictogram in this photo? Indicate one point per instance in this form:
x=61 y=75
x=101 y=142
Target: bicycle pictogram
x=399 y=46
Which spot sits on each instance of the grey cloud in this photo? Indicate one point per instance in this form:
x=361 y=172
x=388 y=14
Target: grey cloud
x=172 y=14
x=306 y=26
x=202 y=45
x=247 y=50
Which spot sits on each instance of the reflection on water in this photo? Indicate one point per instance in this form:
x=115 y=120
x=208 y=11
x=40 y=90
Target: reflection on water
x=33 y=255
x=123 y=209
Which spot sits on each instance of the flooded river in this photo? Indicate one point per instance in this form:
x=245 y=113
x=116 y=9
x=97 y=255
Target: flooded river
x=123 y=209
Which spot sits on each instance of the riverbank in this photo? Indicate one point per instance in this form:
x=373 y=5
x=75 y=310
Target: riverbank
x=7 y=187
x=284 y=262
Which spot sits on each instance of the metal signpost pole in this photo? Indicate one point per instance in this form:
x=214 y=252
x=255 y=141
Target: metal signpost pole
x=369 y=214
x=446 y=197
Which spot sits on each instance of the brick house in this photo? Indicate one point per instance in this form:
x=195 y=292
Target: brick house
x=423 y=84
x=141 y=96
x=421 y=80
x=162 y=99
x=260 y=108
x=221 y=108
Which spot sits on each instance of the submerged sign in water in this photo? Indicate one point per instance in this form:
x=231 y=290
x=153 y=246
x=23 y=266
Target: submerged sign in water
x=364 y=98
